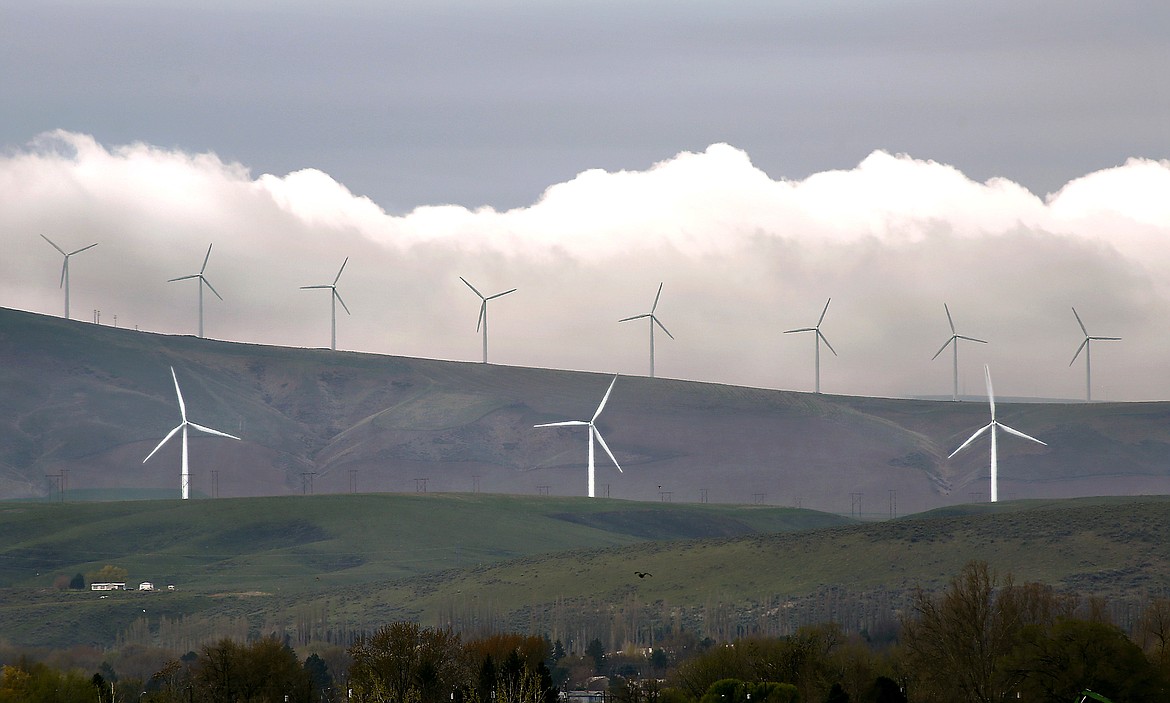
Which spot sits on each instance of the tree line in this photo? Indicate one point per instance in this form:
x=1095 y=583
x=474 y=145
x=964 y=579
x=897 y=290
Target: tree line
x=983 y=639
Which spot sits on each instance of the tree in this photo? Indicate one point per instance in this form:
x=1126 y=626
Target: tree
x=404 y=662
x=265 y=670
x=77 y=583
x=837 y=694
x=107 y=574
x=956 y=642
x=319 y=675
x=595 y=650
x=1060 y=661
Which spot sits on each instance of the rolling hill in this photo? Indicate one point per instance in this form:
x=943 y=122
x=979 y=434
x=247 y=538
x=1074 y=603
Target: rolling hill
x=326 y=567
x=86 y=403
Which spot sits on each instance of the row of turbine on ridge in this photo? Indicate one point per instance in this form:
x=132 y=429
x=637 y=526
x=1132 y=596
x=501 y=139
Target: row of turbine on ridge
x=482 y=322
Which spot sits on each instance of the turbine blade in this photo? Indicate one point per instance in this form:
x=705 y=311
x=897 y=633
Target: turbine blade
x=1079 y=322
x=482 y=314
x=655 y=320
x=971 y=439
x=802 y=329
x=1017 y=433
x=949 y=320
x=601 y=441
x=823 y=312
x=566 y=423
x=91 y=246
x=338 y=295
x=183 y=278
x=473 y=290
x=179 y=393
x=1106 y=339
x=656 y=297
x=205 y=258
x=635 y=317
x=213 y=290
x=971 y=339
x=604 y=399
x=338 y=277
x=990 y=392
x=498 y=295
x=1083 y=345
x=302 y=287
x=208 y=430
x=54 y=245
x=164 y=441
x=943 y=347
x=826 y=341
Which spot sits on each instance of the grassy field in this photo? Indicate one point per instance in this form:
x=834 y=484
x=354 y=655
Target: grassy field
x=364 y=560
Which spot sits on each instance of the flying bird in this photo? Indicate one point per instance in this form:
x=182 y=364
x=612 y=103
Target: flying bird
x=642 y=574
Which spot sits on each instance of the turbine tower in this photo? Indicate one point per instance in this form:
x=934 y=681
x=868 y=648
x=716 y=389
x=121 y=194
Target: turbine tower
x=1087 y=347
x=653 y=321
x=65 y=268
x=819 y=338
x=483 y=311
x=183 y=426
x=954 y=342
x=334 y=299
x=202 y=282
x=993 y=425
x=593 y=432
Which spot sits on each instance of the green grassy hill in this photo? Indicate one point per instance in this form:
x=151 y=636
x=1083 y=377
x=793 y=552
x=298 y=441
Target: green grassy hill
x=323 y=566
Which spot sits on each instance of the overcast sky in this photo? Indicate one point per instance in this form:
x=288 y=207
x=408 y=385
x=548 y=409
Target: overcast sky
x=1007 y=158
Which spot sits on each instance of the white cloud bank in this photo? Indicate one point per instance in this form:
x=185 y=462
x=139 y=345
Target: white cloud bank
x=743 y=258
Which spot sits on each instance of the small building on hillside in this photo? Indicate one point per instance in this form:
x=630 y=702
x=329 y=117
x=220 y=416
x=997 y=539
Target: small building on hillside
x=146 y=586
x=108 y=586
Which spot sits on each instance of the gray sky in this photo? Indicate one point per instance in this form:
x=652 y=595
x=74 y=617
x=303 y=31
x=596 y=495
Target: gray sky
x=576 y=140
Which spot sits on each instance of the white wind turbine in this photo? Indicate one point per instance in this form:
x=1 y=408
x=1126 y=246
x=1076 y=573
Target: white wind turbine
x=65 y=268
x=954 y=341
x=202 y=282
x=593 y=432
x=334 y=299
x=653 y=321
x=483 y=311
x=819 y=338
x=1087 y=347
x=993 y=425
x=183 y=426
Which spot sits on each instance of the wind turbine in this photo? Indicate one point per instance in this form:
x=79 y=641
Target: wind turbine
x=183 y=426
x=954 y=341
x=202 y=282
x=653 y=321
x=65 y=268
x=993 y=425
x=483 y=311
x=819 y=338
x=593 y=432
x=334 y=299
x=1087 y=347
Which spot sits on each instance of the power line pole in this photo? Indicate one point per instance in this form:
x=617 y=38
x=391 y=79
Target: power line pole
x=353 y=480
x=855 y=503
x=307 y=481
x=893 y=503
x=420 y=485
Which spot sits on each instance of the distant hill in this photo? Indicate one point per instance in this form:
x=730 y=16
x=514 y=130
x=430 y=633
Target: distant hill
x=88 y=402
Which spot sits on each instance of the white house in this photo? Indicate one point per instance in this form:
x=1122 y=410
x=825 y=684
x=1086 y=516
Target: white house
x=146 y=586
x=111 y=586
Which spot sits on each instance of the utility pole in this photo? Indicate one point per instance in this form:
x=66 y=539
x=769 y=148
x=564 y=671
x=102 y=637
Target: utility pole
x=420 y=485
x=893 y=503
x=353 y=480
x=542 y=490
x=307 y=481
x=758 y=498
x=855 y=504
x=57 y=480
x=702 y=495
